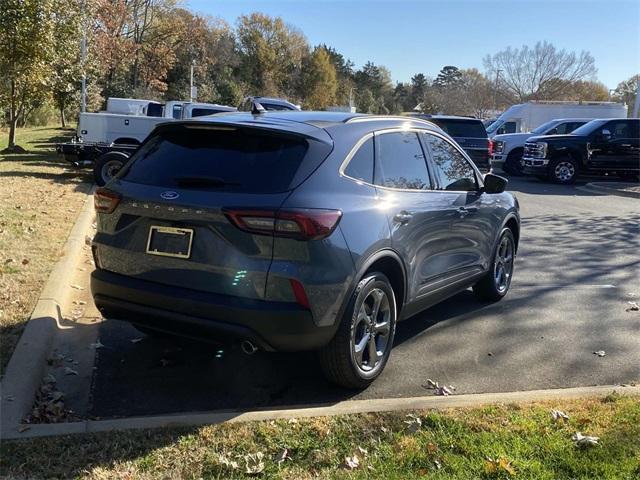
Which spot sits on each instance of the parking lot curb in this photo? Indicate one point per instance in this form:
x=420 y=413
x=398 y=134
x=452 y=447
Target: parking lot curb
x=26 y=367
x=340 y=408
x=603 y=187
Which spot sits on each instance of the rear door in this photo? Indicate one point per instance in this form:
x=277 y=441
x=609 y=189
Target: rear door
x=615 y=145
x=419 y=219
x=174 y=224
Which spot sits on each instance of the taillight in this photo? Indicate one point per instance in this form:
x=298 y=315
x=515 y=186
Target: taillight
x=105 y=201
x=300 y=224
x=490 y=147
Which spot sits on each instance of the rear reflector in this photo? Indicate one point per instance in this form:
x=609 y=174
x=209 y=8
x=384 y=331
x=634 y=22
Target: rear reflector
x=105 y=201
x=300 y=224
x=300 y=294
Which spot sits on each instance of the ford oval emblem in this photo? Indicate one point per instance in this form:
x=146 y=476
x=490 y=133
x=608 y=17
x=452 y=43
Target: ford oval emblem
x=169 y=195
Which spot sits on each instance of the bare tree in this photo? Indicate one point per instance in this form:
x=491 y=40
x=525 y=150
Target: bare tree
x=539 y=73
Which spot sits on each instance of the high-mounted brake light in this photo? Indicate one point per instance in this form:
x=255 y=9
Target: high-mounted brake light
x=105 y=200
x=300 y=224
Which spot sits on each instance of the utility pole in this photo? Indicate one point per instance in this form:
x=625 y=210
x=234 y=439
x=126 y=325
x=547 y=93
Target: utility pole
x=83 y=58
x=495 y=90
x=192 y=90
x=636 y=105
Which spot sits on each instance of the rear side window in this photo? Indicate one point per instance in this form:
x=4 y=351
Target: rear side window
x=452 y=170
x=243 y=160
x=360 y=166
x=400 y=162
x=201 y=112
x=462 y=128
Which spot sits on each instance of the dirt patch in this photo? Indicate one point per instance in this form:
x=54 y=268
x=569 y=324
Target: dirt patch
x=40 y=199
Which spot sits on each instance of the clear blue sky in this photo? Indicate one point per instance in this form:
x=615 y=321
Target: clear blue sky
x=409 y=36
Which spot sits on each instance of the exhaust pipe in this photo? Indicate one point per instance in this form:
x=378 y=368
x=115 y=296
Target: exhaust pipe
x=248 y=347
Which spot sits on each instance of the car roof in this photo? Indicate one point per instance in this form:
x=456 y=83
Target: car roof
x=321 y=126
x=448 y=117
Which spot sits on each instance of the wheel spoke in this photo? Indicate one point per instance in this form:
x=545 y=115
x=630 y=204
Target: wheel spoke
x=360 y=347
x=382 y=328
x=373 y=351
x=378 y=296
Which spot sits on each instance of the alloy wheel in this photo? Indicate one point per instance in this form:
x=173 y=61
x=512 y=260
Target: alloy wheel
x=564 y=171
x=371 y=331
x=503 y=264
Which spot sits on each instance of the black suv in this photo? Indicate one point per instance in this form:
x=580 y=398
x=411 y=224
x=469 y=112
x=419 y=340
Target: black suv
x=601 y=146
x=469 y=133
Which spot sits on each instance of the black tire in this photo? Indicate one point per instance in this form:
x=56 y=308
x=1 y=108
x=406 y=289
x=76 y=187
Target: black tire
x=563 y=171
x=338 y=359
x=489 y=288
x=512 y=164
x=108 y=165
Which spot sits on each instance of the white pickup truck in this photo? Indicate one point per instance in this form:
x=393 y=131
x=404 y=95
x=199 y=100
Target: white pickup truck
x=105 y=140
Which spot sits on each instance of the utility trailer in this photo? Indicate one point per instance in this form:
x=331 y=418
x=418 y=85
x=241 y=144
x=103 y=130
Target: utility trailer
x=106 y=140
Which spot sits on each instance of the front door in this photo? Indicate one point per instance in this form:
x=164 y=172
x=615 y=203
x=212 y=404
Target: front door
x=473 y=227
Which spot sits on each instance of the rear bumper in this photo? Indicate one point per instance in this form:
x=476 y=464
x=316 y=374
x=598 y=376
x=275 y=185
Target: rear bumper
x=273 y=326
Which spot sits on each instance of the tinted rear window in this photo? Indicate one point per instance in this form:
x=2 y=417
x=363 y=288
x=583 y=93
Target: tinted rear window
x=461 y=128
x=245 y=160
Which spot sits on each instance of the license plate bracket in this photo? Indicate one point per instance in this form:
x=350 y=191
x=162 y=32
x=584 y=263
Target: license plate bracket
x=169 y=241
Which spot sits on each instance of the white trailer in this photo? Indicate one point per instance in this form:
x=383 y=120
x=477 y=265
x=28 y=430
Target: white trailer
x=106 y=140
x=525 y=117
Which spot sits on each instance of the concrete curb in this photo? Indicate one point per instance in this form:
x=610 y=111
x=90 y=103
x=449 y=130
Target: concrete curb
x=26 y=367
x=602 y=187
x=340 y=408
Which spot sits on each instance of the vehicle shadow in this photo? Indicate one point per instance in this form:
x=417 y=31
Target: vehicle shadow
x=534 y=186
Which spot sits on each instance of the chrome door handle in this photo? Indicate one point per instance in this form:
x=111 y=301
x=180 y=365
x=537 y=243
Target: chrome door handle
x=403 y=217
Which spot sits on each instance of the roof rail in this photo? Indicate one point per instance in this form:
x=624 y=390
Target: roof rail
x=371 y=118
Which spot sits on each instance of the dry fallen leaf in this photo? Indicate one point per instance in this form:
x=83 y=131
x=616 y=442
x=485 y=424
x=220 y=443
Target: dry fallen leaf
x=633 y=307
x=135 y=340
x=77 y=287
x=70 y=371
x=352 y=462
x=497 y=466
x=600 y=353
x=96 y=345
x=413 y=423
x=559 y=415
x=283 y=456
x=584 y=440
x=227 y=462
x=253 y=463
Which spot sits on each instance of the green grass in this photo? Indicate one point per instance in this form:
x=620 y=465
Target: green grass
x=530 y=444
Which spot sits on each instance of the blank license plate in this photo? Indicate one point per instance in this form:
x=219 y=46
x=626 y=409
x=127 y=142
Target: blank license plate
x=170 y=242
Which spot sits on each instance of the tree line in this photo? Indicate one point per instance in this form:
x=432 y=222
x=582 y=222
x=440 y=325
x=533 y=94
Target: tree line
x=146 y=49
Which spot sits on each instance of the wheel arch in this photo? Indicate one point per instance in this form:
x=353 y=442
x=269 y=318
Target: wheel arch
x=512 y=222
x=389 y=263
x=126 y=141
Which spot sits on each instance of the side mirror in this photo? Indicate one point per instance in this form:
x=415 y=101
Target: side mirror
x=494 y=183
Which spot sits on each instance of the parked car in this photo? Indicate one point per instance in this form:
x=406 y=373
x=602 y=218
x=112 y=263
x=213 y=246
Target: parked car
x=602 y=146
x=469 y=133
x=106 y=140
x=269 y=104
x=525 y=117
x=297 y=231
x=508 y=148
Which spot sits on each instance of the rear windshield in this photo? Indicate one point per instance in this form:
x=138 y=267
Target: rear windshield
x=244 y=160
x=462 y=128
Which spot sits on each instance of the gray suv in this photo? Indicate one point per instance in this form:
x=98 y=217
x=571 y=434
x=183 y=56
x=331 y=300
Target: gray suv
x=291 y=231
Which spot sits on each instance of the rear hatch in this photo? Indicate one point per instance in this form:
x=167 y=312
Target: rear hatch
x=179 y=196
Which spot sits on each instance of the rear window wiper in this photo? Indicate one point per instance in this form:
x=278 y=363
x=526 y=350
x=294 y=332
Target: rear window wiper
x=203 y=181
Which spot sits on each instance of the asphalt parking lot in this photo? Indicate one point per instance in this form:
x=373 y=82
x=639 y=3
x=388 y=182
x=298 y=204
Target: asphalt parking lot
x=577 y=268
